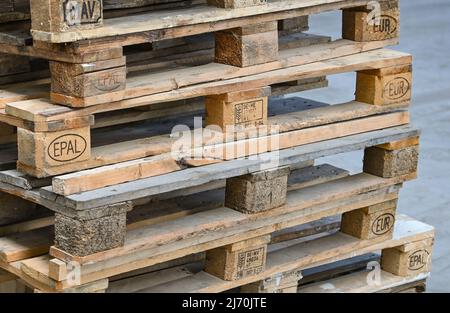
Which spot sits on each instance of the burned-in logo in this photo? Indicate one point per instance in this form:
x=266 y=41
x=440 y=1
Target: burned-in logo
x=67 y=148
x=396 y=88
x=383 y=224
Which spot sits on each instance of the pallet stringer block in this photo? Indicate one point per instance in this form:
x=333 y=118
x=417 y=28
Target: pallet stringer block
x=370 y=222
x=82 y=233
x=249 y=45
x=38 y=151
x=393 y=159
x=379 y=22
x=409 y=259
x=257 y=192
x=238 y=260
x=72 y=82
x=88 y=79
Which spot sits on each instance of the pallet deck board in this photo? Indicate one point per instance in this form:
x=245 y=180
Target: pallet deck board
x=92 y=271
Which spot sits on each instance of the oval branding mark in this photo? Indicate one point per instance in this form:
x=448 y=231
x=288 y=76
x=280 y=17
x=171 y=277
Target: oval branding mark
x=77 y=12
x=67 y=148
x=388 y=24
x=418 y=260
x=396 y=88
x=383 y=224
x=109 y=82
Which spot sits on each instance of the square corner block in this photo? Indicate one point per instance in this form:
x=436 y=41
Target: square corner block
x=370 y=222
x=79 y=80
x=391 y=163
x=239 y=260
x=57 y=16
x=41 y=150
x=84 y=235
x=384 y=89
x=363 y=26
x=257 y=192
x=240 y=109
x=408 y=260
x=246 y=46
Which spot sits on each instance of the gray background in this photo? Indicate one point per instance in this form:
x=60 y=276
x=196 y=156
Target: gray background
x=425 y=33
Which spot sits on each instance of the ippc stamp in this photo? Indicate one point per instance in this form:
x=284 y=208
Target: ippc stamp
x=67 y=148
x=238 y=260
x=41 y=152
x=251 y=112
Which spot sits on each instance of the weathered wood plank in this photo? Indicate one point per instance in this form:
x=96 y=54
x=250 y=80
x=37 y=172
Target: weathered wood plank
x=118 y=264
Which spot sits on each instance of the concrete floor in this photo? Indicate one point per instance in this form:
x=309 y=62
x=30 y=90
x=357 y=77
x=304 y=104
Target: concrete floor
x=425 y=33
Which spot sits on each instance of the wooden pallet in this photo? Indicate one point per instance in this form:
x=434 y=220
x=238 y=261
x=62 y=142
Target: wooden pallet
x=40 y=123
x=362 y=190
x=105 y=199
x=392 y=161
x=91 y=72
x=345 y=275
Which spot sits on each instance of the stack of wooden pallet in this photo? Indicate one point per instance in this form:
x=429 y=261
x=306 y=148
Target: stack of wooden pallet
x=107 y=183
